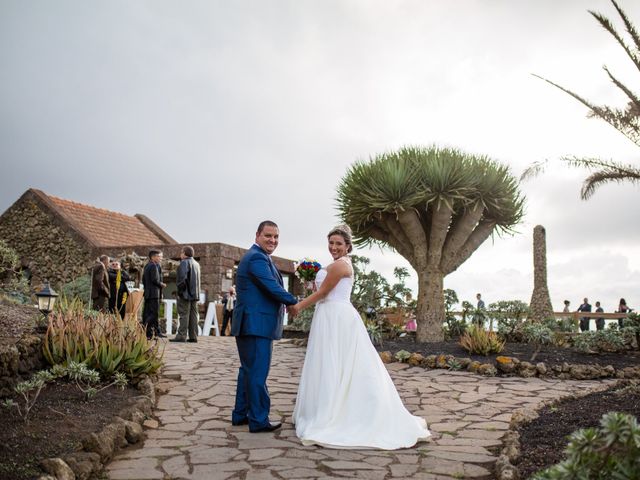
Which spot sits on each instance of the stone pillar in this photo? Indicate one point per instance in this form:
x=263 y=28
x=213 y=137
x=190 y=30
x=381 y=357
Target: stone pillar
x=541 y=307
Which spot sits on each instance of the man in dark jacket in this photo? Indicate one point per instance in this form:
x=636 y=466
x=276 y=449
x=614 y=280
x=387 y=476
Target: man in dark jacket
x=188 y=285
x=584 y=321
x=100 y=284
x=152 y=283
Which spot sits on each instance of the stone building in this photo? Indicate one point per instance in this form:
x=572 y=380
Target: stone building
x=59 y=240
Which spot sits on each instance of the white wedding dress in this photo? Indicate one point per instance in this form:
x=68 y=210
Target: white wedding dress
x=346 y=397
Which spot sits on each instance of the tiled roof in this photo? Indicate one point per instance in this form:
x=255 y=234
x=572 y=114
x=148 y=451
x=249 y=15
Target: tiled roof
x=105 y=228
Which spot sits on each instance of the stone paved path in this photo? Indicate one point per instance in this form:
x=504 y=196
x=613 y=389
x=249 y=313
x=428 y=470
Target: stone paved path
x=192 y=437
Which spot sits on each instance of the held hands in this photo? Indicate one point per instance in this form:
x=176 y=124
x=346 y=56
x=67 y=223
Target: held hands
x=293 y=310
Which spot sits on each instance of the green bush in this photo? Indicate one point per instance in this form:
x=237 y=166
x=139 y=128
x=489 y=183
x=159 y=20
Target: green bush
x=610 y=340
x=537 y=333
x=78 y=288
x=453 y=326
x=481 y=342
x=606 y=453
x=402 y=355
x=509 y=315
x=302 y=321
x=12 y=283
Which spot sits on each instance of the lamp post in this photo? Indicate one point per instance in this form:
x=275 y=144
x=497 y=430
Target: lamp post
x=46 y=299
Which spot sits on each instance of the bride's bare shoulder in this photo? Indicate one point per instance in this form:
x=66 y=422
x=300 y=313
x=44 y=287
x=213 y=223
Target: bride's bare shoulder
x=341 y=266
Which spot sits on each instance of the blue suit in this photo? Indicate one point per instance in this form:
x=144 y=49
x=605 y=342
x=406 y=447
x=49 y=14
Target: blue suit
x=257 y=321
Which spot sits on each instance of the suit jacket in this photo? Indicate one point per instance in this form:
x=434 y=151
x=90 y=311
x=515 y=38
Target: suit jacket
x=152 y=281
x=188 y=279
x=99 y=281
x=260 y=294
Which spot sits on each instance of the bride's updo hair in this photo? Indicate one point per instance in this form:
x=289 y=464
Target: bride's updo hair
x=345 y=232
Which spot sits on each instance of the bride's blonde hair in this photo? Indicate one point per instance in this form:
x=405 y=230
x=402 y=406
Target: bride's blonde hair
x=345 y=232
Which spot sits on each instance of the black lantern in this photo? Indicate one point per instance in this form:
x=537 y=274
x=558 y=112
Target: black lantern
x=46 y=298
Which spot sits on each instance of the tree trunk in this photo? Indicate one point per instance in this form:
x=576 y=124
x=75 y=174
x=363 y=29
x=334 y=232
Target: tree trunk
x=430 y=314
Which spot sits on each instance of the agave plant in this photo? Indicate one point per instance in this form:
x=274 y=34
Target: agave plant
x=435 y=207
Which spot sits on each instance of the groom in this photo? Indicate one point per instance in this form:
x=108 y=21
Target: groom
x=257 y=321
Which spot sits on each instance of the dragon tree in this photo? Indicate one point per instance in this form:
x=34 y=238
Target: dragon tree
x=435 y=207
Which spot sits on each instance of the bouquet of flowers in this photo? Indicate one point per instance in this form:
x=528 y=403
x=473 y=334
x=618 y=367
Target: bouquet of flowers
x=306 y=271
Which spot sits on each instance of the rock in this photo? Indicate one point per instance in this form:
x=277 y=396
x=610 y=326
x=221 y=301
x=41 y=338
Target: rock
x=83 y=464
x=504 y=469
x=464 y=362
x=429 y=361
x=609 y=371
x=133 y=431
x=473 y=366
x=442 y=361
x=541 y=368
x=505 y=364
x=526 y=370
x=58 y=468
x=631 y=372
x=511 y=442
x=386 y=357
x=415 y=359
x=488 y=370
x=105 y=443
x=522 y=416
x=584 y=372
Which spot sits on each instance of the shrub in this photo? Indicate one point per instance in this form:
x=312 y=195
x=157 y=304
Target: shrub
x=609 y=340
x=105 y=343
x=29 y=391
x=609 y=452
x=509 y=315
x=12 y=283
x=402 y=356
x=78 y=288
x=537 y=333
x=632 y=323
x=477 y=340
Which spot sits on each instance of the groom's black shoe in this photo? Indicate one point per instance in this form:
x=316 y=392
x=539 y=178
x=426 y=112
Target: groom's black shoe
x=244 y=421
x=270 y=427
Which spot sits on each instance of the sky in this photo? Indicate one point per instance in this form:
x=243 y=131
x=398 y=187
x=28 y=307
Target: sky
x=210 y=116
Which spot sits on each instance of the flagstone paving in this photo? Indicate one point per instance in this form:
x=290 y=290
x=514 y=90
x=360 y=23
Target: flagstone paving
x=192 y=436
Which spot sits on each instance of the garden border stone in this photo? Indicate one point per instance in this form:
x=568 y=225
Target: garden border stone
x=513 y=367
x=98 y=448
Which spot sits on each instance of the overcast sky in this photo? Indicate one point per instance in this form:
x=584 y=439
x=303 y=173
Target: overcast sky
x=209 y=116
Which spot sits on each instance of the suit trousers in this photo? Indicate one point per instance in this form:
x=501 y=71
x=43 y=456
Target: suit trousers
x=252 y=397
x=150 y=316
x=188 y=319
x=100 y=303
x=227 y=317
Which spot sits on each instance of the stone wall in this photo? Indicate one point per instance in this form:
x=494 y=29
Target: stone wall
x=44 y=244
x=19 y=360
x=214 y=258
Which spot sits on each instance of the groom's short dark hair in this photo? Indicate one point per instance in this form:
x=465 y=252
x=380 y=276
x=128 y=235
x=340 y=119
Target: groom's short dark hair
x=266 y=223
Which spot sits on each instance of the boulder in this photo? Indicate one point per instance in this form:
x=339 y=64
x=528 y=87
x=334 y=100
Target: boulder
x=415 y=359
x=84 y=464
x=58 y=468
x=526 y=370
x=429 y=361
x=488 y=370
x=386 y=357
x=506 y=364
x=541 y=368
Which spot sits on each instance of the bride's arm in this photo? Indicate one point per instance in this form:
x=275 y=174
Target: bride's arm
x=335 y=272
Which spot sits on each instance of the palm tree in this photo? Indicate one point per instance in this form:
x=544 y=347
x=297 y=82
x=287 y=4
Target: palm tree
x=626 y=120
x=435 y=207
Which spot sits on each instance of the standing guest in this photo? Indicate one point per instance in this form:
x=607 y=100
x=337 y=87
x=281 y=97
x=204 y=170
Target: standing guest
x=152 y=283
x=100 y=284
x=478 y=316
x=584 y=321
x=228 y=302
x=119 y=292
x=188 y=285
x=622 y=308
x=599 y=321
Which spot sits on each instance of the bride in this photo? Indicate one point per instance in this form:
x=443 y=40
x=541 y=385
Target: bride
x=346 y=398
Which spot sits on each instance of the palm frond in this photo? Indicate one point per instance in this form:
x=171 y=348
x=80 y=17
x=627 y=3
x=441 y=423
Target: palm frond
x=533 y=170
x=608 y=26
x=604 y=171
x=631 y=30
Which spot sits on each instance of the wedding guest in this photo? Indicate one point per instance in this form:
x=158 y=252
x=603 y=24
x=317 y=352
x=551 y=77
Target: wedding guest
x=228 y=302
x=152 y=282
x=622 y=308
x=599 y=321
x=118 y=291
x=478 y=316
x=584 y=321
x=100 y=290
x=188 y=285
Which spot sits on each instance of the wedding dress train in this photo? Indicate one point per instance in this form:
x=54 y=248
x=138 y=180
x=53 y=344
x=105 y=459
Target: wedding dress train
x=346 y=398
